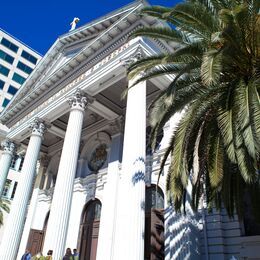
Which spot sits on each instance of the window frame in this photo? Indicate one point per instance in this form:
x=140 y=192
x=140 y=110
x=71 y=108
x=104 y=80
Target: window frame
x=19 y=76
x=5 y=68
x=4 y=55
x=8 y=44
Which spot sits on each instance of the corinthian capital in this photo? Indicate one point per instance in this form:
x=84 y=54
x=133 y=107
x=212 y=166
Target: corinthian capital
x=8 y=146
x=38 y=126
x=79 y=100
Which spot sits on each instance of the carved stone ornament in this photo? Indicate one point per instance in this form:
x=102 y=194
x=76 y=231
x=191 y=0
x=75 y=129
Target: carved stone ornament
x=8 y=146
x=98 y=158
x=117 y=125
x=91 y=190
x=79 y=100
x=44 y=161
x=38 y=126
x=136 y=56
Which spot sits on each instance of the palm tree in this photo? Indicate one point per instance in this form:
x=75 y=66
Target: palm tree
x=4 y=206
x=216 y=64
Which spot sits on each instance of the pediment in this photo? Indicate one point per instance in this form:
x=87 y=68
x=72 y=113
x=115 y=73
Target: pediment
x=62 y=58
x=72 y=53
x=71 y=49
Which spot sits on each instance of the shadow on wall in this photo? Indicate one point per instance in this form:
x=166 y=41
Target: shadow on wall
x=181 y=236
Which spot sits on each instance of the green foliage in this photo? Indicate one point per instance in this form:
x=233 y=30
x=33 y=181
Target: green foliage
x=4 y=206
x=216 y=69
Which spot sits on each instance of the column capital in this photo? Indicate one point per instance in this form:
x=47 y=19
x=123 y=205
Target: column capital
x=38 y=126
x=80 y=100
x=8 y=146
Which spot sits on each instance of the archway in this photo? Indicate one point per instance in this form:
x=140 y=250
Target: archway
x=154 y=223
x=89 y=229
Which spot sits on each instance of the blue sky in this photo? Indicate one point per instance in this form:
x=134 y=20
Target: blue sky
x=39 y=23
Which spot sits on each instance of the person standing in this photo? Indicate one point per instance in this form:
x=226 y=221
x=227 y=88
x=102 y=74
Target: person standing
x=38 y=256
x=27 y=255
x=75 y=254
x=49 y=255
x=68 y=255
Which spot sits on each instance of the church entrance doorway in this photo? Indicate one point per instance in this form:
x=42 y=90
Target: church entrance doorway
x=89 y=229
x=36 y=238
x=154 y=223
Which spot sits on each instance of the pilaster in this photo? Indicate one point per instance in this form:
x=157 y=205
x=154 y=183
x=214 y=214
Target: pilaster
x=109 y=206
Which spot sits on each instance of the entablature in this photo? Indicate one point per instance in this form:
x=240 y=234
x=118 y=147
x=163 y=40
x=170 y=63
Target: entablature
x=103 y=74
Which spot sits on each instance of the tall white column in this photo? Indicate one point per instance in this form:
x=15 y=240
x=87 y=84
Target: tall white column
x=131 y=212
x=9 y=149
x=15 y=223
x=32 y=207
x=60 y=208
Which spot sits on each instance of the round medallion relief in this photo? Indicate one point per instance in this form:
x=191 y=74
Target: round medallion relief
x=98 y=158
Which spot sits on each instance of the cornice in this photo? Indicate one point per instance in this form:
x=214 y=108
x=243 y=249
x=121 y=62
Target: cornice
x=42 y=65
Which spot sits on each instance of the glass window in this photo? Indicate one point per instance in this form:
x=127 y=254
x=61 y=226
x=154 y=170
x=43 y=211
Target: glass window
x=4 y=70
x=29 y=57
x=8 y=58
x=6 y=188
x=9 y=45
x=24 y=67
x=6 y=101
x=21 y=164
x=92 y=212
x=154 y=198
x=18 y=78
x=15 y=186
x=13 y=162
x=2 y=83
x=12 y=90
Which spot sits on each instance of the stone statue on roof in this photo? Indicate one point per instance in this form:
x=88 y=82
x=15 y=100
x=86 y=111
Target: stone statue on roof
x=74 y=23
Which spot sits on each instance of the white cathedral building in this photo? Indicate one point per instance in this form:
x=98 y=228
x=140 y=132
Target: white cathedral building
x=95 y=186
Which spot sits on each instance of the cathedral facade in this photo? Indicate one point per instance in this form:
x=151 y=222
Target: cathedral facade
x=88 y=179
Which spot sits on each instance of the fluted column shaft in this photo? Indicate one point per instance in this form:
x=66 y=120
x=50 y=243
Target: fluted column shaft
x=60 y=209
x=131 y=216
x=15 y=222
x=5 y=162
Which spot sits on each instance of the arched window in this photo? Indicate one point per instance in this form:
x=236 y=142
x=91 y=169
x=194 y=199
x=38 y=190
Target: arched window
x=89 y=229
x=154 y=223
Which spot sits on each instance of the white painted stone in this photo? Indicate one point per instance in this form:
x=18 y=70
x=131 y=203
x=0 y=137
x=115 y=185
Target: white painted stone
x=56 y=233
x=77 y=205
x=27 y=226
x=129 y=241
x=5 y=162
x=15 y=224
x=108 y=212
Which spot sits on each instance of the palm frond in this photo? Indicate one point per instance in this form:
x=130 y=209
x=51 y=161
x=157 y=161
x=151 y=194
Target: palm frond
x=211 y=67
